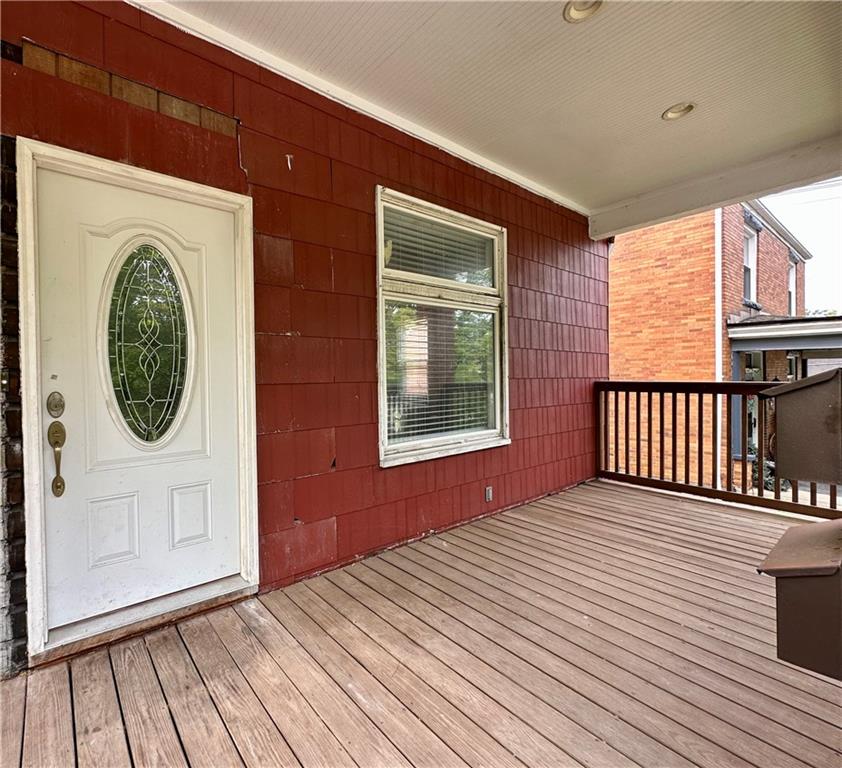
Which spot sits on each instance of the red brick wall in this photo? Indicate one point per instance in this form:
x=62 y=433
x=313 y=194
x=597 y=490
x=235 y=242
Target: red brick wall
x=661 y=321
x=661 y=315
x=322 y=497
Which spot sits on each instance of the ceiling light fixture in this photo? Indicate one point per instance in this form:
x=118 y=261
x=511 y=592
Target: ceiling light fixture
x=574 y=12
x=677 y=111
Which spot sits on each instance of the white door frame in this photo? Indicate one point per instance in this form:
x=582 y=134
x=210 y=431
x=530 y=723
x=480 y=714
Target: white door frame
x=32 y=155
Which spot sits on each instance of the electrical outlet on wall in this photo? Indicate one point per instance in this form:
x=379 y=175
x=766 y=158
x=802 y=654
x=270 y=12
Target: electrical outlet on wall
x=489 y=492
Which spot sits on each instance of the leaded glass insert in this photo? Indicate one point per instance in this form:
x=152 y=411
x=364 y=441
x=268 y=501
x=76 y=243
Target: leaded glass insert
x=147 y=343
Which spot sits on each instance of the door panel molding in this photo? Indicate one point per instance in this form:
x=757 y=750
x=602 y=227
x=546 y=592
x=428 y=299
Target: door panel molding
x=32 y=156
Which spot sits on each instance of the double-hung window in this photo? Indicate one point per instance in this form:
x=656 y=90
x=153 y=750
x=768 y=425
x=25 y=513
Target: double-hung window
x=442 y=363
x=750 y=264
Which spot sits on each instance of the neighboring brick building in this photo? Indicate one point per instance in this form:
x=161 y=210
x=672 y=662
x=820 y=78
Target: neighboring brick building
x=663 y=291
x=715 y=296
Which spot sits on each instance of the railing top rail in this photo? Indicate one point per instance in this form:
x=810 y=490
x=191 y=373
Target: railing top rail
x=691 y=387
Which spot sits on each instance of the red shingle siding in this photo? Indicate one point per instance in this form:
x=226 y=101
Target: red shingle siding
x=322 y=497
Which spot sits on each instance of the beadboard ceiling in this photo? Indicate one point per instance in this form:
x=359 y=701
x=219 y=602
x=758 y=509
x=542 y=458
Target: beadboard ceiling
x=574 y=110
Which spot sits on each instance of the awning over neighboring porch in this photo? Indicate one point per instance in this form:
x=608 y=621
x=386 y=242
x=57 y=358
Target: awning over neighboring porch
x=770 y=332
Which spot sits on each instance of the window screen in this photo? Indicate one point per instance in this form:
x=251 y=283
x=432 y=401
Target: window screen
x=439 y=370
x=442 y=328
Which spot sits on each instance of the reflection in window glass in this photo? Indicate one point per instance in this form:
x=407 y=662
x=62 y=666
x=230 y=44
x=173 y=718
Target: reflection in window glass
x=440 y=370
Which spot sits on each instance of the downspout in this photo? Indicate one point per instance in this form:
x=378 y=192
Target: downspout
x=717 y=329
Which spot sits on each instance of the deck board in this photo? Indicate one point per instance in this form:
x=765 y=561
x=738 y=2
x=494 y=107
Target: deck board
x=612 y=671
x=523 y=539
x=204 y=737
x=310 y=739
x=604 y=626
x=465 y=737
x=258 y=740
x=12 y=709
x=100 y=735
x=48 y=730
x=151 y=733
x=420 y=745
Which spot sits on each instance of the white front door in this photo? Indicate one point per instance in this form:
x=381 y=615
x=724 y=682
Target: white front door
x=139 y=333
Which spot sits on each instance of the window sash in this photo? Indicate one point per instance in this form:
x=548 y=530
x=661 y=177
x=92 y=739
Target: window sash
x=749 y=264
x=443 y=418
x=791 y=284
x=410 y=287
x=483 y=232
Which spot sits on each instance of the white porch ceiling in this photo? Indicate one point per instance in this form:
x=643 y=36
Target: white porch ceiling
x=574 y=110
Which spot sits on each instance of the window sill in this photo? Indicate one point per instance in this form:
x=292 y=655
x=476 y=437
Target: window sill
x=393 y=459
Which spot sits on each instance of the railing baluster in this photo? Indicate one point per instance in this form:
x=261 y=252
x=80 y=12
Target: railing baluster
x=794 y=491
x=700 y=441
x=714 y=442
x=833 y=495
x=674 y=398
x=687 y=438
x=626 y=463
x=616 y=430
x=744 y=441
x=662 y=432
x=606 y=446
x=729 y=447
x=777 y=483
x=761 y=446
x=649 y=434
x=813 y=494
x=597 y=425
x=637 y=429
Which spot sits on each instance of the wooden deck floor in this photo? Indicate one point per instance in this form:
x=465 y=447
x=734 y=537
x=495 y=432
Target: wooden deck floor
x=604 y=626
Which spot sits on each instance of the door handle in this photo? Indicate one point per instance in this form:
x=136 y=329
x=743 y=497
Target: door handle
x=56 y=437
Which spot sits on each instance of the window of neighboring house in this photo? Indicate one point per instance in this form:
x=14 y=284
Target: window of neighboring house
x=791 y=289
x=443 y=386
x=750 y=264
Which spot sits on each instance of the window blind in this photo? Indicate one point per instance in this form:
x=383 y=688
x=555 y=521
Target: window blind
x=437 y=249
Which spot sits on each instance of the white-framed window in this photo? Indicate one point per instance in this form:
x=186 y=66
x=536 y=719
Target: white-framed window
x=791 y=295
x=442 y=331
x=750 y=264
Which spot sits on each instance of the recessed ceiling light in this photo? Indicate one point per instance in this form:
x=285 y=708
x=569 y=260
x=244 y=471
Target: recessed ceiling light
x=677 y=111
x=574 y=12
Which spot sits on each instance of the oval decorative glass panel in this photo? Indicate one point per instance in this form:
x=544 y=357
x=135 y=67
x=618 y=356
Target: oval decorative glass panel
x=147 y=343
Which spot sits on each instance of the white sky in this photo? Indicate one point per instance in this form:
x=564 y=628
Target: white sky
x=814 y=215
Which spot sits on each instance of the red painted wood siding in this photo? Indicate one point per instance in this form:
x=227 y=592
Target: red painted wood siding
x=322 y=497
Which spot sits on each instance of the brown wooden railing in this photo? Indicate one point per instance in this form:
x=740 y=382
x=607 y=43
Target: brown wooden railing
x=713 y=439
